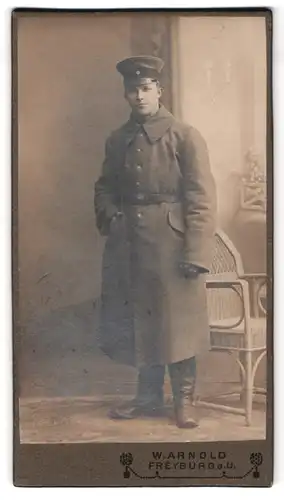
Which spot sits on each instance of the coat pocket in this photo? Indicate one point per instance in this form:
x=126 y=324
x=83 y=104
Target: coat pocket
x=175 y=220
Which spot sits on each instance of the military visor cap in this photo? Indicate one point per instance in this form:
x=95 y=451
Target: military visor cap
x=140 y=69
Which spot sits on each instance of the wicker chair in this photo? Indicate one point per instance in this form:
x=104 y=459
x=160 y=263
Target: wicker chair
x=234 y=327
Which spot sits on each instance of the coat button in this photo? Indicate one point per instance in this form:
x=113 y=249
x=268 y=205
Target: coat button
x=139 y=215
x=139 y=167
x=137 y=184
x=138 y=150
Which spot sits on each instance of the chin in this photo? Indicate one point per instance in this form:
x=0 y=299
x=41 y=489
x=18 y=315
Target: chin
x=141 y=111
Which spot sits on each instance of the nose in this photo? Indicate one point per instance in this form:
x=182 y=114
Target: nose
x=139 y=95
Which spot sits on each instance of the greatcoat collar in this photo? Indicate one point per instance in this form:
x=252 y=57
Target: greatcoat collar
x=155 y=126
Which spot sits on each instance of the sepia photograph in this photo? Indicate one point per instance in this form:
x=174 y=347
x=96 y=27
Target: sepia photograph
x=142 y=266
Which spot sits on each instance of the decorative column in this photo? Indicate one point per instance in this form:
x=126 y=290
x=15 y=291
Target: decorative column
x=151 y=35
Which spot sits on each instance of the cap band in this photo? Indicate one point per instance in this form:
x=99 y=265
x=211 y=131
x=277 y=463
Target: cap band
x=140 y=67
x=141 y=73
x=132 y=82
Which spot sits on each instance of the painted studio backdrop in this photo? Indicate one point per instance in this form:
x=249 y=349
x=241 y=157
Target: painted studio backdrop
x=69 y=99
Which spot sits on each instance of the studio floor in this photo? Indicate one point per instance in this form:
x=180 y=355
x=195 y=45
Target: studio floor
x=67 y=387
x=70 y=420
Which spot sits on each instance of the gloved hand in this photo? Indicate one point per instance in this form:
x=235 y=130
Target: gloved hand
x=188 y=270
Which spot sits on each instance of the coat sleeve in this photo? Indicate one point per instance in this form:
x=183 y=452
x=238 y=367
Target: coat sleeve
x=105 y=189
x=199 y=200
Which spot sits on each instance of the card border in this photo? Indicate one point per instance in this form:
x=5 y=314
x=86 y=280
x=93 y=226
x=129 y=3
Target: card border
x=93 y=464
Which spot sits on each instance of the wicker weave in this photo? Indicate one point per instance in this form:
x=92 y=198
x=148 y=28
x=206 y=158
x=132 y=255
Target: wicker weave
x=233 y=330
x=223 y=259
x=226 y=265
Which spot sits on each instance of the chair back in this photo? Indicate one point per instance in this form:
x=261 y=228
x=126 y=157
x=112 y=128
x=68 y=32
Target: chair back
x=226 y=264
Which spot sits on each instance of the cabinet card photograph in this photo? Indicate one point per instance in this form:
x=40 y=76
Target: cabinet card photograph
x=142 y=247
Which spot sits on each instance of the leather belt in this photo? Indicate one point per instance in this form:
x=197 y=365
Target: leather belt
x=150 y=199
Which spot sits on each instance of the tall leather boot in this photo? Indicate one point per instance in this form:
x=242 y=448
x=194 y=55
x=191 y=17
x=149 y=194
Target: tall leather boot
x=149 y=400
x=183 y=377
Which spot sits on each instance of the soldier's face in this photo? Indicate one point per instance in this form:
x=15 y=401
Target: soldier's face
x=143 y=99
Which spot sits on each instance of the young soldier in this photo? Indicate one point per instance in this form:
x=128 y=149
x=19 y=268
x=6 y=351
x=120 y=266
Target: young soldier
x=155 y=202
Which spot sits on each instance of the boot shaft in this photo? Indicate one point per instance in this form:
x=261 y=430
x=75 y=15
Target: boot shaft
x=183 y=377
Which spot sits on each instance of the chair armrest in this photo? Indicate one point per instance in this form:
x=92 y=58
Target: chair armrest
x=254 y=276
x=224 y=283
x=243 y=297
x=258 y=281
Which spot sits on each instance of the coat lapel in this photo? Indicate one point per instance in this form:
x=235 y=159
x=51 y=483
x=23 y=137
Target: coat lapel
x=155 y=127
x=130 y=130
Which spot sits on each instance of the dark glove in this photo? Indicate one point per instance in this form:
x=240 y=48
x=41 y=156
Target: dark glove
x=189 y=271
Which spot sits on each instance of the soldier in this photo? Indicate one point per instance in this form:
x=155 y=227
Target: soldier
x=155 y=202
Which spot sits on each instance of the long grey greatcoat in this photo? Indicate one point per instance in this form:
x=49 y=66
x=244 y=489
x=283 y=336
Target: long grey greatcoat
x=151 y=314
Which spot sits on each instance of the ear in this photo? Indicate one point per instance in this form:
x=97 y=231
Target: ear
x=160 y=91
